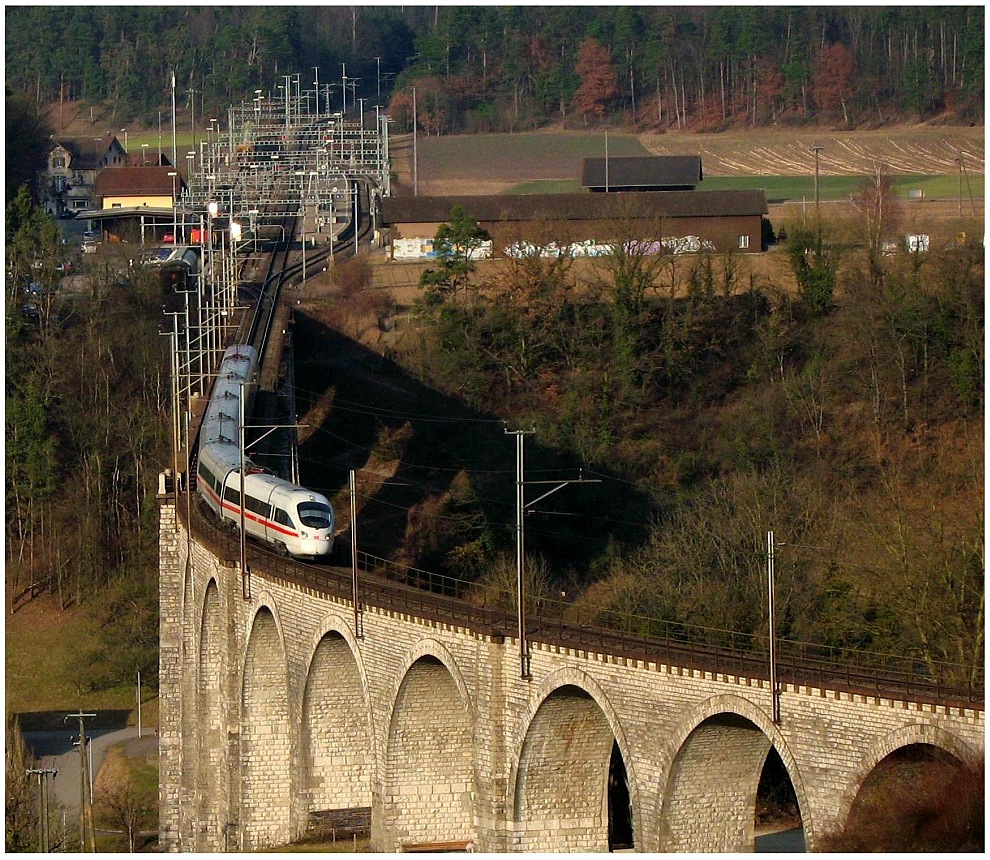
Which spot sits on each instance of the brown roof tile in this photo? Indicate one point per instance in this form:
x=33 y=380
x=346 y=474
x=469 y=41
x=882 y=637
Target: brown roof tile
x=137 y=180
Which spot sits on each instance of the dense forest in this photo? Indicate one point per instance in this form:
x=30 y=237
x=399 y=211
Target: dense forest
x=486 y=68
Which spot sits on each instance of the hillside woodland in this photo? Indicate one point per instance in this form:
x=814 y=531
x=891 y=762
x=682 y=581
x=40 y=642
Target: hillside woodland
x=86 y=391
x=486 y=68
x=845 y=416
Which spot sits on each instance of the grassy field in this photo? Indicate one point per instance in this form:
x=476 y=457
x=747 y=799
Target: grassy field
x=41 y=648
x=781 y=163
x=780 y=188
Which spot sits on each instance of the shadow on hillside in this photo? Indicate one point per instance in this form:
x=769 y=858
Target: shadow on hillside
x=434 y=438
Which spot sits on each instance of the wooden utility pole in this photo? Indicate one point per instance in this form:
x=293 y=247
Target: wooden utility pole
x=85 y=808
x=43 y=773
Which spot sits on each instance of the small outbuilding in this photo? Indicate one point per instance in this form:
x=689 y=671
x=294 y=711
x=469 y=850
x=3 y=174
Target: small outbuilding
x=642 y=173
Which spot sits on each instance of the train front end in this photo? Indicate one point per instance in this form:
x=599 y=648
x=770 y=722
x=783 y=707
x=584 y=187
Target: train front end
x=315 y=517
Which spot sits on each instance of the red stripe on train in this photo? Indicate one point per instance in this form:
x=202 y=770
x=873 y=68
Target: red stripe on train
x=235 y=509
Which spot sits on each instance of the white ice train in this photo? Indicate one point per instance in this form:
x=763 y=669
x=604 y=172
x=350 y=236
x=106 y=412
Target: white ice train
x=295 y=520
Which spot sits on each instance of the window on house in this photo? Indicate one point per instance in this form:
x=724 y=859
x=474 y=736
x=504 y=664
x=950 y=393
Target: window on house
x=116 y=205
x=744 y=242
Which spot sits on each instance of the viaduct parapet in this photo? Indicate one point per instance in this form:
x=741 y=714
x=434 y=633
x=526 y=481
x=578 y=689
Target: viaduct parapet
x=276 y=711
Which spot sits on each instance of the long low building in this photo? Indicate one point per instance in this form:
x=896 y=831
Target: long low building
x=720 y=219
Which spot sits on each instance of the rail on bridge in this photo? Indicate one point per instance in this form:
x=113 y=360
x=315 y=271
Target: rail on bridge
x=400 y=588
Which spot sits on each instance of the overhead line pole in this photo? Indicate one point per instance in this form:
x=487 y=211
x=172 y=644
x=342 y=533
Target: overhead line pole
x=772 y=628
x=522 y=508
x=358 y=627
x=43 y=831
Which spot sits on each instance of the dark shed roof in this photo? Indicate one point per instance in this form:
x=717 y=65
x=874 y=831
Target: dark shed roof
x=657 y=172
x=577 y=207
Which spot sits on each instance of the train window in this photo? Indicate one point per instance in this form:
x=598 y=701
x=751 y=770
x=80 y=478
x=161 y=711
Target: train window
x=315 y=514
x=283 y=518
x=256 y=506
x=208 y=477
x=231 y=495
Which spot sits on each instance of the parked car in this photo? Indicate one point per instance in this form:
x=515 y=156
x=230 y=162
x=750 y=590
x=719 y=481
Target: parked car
x=91 y=234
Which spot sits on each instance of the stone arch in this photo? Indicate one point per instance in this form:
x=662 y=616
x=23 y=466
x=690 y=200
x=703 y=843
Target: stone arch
x=266 y=774
x=429 y=756
x=338 y=738
x=188 y=695
x=710 y=774
x=559 y=776
x=915 y=734
x=211 y=785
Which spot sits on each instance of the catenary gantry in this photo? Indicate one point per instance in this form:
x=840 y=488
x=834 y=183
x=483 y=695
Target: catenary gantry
x=284 y=153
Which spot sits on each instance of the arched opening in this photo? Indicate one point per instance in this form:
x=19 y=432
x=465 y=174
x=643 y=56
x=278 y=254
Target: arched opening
x=778 y=816
x=211 y=761
x=188 y=704
x=338 y=760
x=572 y=791
x=918 y=798
x=429 y=763
x=711 y=801
x=265 y=749
x=620 y=826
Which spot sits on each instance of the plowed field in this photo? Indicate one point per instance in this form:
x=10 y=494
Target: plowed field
x=921 y=149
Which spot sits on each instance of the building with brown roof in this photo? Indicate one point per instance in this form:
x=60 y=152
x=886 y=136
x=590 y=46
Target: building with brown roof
x=125 y=187
x=720 y=219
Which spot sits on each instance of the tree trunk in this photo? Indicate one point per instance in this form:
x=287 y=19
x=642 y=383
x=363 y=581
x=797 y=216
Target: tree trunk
x=721 y=77
x=632 y=88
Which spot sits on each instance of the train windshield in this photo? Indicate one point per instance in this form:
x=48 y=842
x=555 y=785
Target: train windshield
x=315 y=515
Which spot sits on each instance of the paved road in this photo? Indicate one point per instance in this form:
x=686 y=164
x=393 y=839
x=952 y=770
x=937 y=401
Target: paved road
x=56 y=749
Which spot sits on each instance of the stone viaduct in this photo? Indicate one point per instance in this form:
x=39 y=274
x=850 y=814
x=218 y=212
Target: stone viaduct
x=275 y=708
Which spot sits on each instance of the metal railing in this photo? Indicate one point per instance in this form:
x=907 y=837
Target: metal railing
x=404 y=589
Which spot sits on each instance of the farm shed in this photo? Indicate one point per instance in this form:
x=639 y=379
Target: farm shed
x=642 y=173
x=726 y=219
